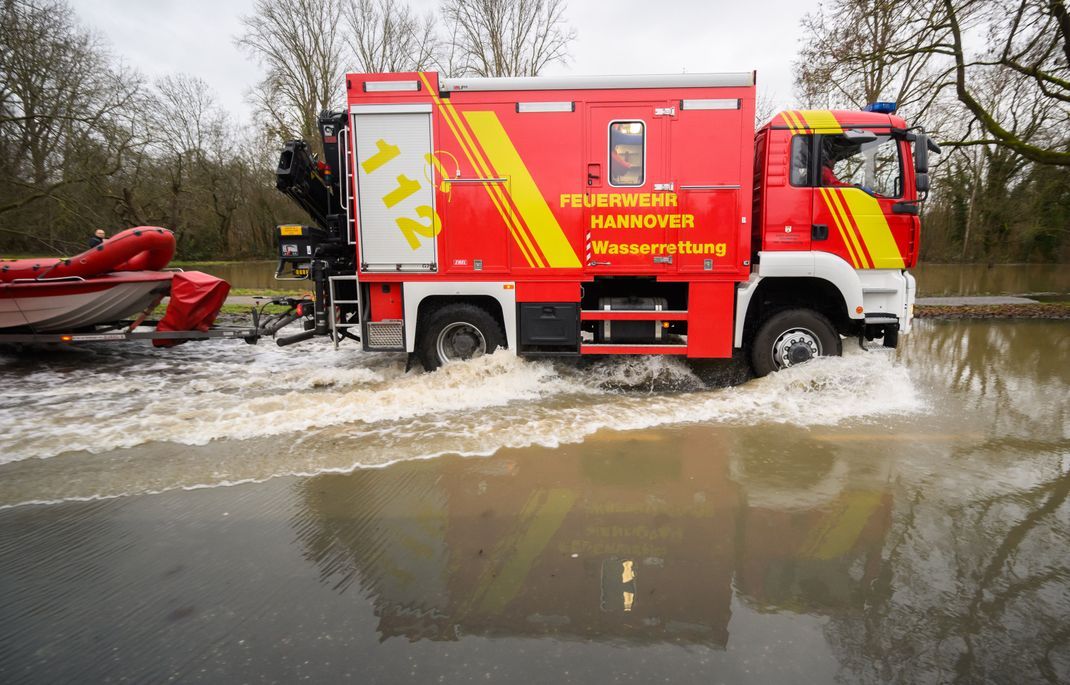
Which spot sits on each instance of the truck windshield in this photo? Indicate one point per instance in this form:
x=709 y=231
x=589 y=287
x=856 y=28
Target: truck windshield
x=874 y=167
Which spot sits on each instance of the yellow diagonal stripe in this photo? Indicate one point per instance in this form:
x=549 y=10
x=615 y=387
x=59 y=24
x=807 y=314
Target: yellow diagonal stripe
x=839 y=226
x=821 y=119
x=844 y=216
x=485 y=168
x=525 y=193
x=475 y=164
x=794 y=122
x=448 y=115
x=872 y=224
x=840 y=529
x=518 y=552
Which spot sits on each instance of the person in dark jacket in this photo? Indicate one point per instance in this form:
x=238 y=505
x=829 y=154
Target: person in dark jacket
x=98 y=238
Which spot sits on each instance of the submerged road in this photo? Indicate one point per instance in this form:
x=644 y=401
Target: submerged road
x=229 y=513
x=975 y=300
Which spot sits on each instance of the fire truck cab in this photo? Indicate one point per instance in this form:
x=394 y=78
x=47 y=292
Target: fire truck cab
x=602 y=215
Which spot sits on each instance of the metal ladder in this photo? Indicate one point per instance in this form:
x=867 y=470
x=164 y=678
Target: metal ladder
x=335 y=325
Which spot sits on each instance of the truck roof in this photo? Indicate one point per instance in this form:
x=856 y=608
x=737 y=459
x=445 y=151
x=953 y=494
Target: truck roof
x=809 y=120
x=709 y=80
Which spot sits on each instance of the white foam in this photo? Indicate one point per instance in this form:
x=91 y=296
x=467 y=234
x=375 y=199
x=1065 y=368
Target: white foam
x=280 y=415
x=227 y=403
x=641 y=373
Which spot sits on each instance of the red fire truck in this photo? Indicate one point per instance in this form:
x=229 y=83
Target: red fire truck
x=602 y=216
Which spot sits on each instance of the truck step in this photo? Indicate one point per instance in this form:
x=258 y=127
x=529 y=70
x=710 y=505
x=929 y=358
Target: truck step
x=603 y=348
x=644 y=315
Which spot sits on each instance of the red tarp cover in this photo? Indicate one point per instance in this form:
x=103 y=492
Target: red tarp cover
x=195 y=302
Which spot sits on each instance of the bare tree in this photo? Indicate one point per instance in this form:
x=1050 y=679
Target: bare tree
x=913 y=50
x=860 y=51
x=508 y=37
x=298 y=42
x=1029 y=40
x=386 y=35
x=199 y=152
x=60 y=99
x=764 y=108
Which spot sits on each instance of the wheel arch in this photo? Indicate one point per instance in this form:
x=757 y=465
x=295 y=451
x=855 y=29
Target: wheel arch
x=813 y=280
x=497 y=298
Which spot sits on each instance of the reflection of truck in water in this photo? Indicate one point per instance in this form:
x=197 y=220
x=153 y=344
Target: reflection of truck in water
x=603 y=216
x=598 y=543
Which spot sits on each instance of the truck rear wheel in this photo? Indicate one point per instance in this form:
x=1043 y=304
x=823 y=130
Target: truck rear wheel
x=458 y=332
x=792 y=337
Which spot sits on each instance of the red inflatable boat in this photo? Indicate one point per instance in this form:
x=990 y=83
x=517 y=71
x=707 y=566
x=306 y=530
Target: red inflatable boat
x=106 y=284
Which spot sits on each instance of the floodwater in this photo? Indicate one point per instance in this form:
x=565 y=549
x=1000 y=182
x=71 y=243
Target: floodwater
x=225 y=513
x=934 y=280
x=249 y=274
x=938 y=280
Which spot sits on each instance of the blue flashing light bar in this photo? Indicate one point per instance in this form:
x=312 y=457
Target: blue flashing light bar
x=880 y=107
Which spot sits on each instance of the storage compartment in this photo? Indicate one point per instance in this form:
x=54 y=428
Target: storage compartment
x=396 y=217
x=550 y=327
x=630 y=332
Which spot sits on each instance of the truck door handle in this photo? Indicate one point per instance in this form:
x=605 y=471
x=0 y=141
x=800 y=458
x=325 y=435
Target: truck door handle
x=594 y=173
x=819 y=232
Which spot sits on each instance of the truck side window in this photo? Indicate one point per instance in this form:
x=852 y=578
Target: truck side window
x=874 y=167
x=627 y=153
x=800 y=160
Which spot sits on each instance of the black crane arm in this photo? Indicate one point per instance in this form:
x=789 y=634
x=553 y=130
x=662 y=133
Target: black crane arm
x=299 y=177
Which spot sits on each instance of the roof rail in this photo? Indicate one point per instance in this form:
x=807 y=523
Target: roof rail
x=713 y=80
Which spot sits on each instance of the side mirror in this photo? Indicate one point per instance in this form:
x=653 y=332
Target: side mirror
x=859 y=137
x=921 y=156
x=921 y=182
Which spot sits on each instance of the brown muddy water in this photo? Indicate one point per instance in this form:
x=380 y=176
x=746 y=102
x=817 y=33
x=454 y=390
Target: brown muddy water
x=934 y=280
x=223 y=513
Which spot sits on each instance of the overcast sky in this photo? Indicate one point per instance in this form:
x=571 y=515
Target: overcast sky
x=616 y=37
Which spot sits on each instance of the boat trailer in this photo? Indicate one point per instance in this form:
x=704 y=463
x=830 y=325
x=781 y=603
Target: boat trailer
x=263 y=326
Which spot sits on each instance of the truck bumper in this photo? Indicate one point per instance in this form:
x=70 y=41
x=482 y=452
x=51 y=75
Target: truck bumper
x=888 y=295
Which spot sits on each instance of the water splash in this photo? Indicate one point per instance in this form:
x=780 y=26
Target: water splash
x=142 y=424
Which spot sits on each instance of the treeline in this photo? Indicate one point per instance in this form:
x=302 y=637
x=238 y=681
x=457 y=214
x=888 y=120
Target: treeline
x=991 y=80
x=87 y=142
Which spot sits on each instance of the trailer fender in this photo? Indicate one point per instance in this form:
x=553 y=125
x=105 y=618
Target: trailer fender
x=828 y=267
x=502 y=291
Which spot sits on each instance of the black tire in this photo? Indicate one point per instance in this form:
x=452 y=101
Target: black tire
x=474 y=333
x=817 y=337
x=891 y=336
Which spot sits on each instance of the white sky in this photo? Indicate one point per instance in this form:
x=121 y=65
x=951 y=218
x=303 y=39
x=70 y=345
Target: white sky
x=195 y=37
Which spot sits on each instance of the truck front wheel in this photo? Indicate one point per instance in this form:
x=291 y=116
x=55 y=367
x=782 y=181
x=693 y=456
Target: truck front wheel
x=458 y=332
x=792 y=337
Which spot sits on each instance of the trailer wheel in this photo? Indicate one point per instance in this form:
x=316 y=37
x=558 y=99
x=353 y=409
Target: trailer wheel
x=458 y=332
x=792 y=337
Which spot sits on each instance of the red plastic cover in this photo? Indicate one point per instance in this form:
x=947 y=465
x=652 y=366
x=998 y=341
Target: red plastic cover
x=195 y=302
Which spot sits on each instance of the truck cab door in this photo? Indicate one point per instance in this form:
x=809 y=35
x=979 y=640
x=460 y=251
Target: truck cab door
x=787 y=191
x=859 y=186
x=628 y=200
